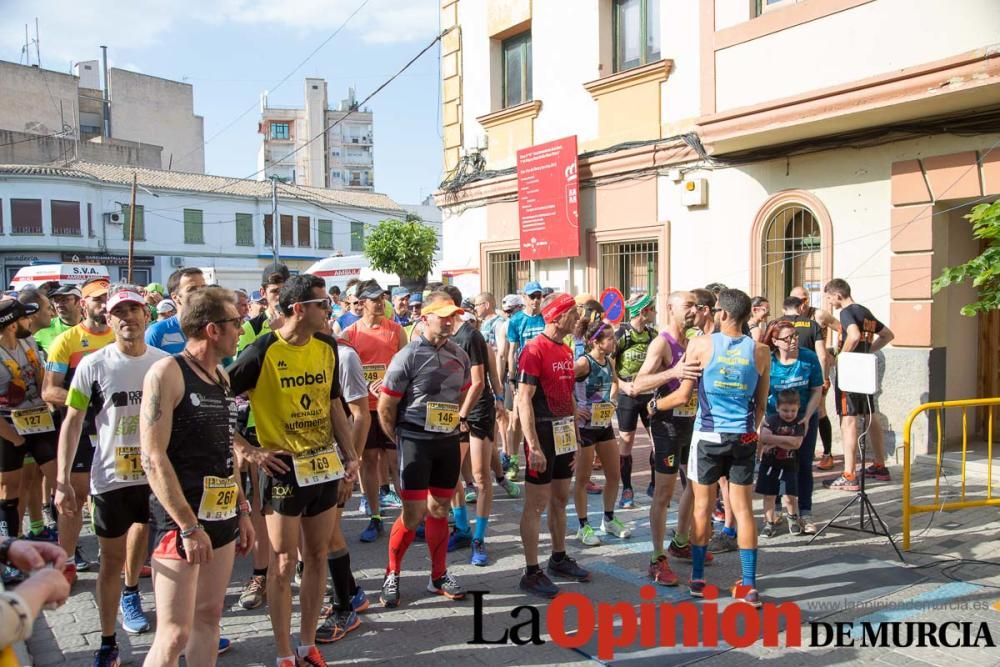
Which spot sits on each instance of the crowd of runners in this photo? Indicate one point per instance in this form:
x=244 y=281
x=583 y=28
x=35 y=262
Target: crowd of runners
x=242 y=424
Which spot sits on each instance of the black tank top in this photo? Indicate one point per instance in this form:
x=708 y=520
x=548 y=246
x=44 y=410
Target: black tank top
x=202 y=435
x=808 y=332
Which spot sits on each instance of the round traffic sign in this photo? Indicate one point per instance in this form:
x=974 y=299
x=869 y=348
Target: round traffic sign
x=614 y=304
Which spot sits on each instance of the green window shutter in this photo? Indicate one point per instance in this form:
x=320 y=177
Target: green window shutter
x=325 y=235
x=140 y=223
x=357 y=236
x=194 y=232
x=244 y=229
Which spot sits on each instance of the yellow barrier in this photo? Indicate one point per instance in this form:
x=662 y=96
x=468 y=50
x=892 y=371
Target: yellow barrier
x=909 y=509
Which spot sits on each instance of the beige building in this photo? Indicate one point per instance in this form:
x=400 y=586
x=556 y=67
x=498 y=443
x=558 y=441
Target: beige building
x=47 y=116
x=341 y=158
x=760 y=144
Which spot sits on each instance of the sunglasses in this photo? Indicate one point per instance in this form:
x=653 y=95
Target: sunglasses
x=788 y=339
x=323 y=303
x=219 y=323
x=535 y=297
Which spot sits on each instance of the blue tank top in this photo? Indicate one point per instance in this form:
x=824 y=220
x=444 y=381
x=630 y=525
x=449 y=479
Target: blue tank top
x=727 y=391
x=596 y=387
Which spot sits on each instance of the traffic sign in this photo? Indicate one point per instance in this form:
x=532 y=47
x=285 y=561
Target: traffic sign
x=614 y=304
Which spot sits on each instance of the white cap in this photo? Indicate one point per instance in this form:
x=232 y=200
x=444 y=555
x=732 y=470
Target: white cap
x=511 y=301
x=122 y=295
x=166 y=306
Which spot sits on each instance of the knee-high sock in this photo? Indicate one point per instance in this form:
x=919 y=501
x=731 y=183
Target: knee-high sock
x=436 y=531
x=400 y=540
x=10 y=518
x=339 y=563
x=626 y=468
x=826 y=435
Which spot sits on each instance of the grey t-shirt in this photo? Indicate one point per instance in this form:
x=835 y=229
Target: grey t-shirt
x=352 y=377
x=420 y=374
x=18 y=397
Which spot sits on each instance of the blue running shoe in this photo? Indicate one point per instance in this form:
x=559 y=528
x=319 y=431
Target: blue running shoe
x=360 y=600
x=373 y=531
x=45 y=535
x=107 y=656
x=363 y=506
x=224 y=645
x=420 y=532
x=479 y=556
x=459 y=540
x=134 y=621
x=390 y=500
x=504 y=461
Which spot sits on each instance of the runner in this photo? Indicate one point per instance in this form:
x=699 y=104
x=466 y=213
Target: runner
x=292 y=379
x=376 y=340
x=522 y=327
x=633 y=339
x=732 y=395
x=423 y=389
x=663 y=370
x=401 y=306
x=863 y=333
x=511 y=304
x=354 y=308
x=198 y=508
x=110 y=381
x=596 y=393
x=760 y=310
x=66 y=300
x=269 y=319
x=168 y=335
x=67 y=351
x=545 y=401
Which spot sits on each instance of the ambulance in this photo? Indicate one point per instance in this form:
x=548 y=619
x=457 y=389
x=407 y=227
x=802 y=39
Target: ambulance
x=66 y=274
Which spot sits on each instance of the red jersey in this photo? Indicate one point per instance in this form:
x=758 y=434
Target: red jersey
x=548 y=365
x=376 y=346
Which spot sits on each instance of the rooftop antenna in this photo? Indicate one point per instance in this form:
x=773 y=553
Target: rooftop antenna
x=38 y=52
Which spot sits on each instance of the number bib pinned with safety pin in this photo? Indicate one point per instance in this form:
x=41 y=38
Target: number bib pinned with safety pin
x=218 y=499
x=33 y=420
x=564 y=434
x=441 y=417
x=128 y=467
x=317 y=466
x=689 y=409
x=600 y=415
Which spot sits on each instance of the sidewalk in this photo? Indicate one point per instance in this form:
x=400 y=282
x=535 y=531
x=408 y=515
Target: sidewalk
x=843 y=576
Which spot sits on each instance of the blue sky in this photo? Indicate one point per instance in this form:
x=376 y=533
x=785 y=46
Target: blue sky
x=233 y=50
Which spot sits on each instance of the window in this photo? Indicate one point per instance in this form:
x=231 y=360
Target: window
x=355 y=179
x=244 y=229
x=26 y=216
x=194 y=230
x=65 y=218
x=636 y=33
x=279 y=131
x=507 y=272
x=760 y=7
x=631 y=266
x=517 y=70
x=790 y=253
x=268 y=230
x=1 y=215
x=287 y=231
x=357 y=236
x=140 y=223
x=90 y=221
x=304 y=240
x=324 y=234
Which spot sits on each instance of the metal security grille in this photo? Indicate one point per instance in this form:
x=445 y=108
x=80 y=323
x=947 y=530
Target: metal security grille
x=791 y=253
x=508 y=273
x=631 y=266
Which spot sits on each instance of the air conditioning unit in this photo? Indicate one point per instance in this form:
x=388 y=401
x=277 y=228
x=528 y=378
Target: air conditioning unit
x=176 y=262
x=115 y=218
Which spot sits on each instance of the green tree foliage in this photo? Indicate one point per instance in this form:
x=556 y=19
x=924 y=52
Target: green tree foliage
x=984 y=270
x=404 y=247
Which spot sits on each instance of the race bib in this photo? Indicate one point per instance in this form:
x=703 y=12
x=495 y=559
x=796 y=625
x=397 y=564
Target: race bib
x=689 y=409
x=317 y=466
x=564 y=434
x=33 y=420
x=218 y=499
x=373 y=372
x=441 y=417
x=600 y=414
x=127 y=465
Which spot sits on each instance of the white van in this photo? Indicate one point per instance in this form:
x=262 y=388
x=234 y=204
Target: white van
x=67 y=274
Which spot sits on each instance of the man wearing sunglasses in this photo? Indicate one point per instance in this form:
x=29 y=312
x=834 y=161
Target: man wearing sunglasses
x=292 y=379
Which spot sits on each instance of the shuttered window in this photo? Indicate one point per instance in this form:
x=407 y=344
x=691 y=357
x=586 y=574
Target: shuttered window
x=26 y=216
x=194 y=230
x=304 y=240
x=324 y=236
x=244 y=229
x=140 y=223
x=65 y=218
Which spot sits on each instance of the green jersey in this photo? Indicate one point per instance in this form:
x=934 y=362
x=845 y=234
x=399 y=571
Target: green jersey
x=44 y=337
x=632 y=347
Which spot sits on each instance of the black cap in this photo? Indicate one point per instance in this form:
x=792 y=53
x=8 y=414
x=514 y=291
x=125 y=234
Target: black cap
x=270 y=270
x=12 y=310
x=67 y=290
x=370 y=289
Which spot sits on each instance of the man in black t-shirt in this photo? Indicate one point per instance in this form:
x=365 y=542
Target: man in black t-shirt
x=865 y=334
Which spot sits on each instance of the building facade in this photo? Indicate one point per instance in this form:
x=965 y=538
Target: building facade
x=761 y=144
x=318 y=146
x=48 y=117
x=81 y=212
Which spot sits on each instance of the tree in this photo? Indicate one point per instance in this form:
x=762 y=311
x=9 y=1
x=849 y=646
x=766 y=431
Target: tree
x=404 y=247
x=983 y=271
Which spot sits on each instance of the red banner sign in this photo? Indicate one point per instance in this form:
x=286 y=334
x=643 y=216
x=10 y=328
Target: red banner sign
x=547 y=198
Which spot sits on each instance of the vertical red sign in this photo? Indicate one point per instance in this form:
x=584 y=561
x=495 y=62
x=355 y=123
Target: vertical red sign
x=547 y=199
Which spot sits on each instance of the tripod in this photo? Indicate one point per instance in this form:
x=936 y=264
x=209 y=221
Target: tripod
x=861 y=498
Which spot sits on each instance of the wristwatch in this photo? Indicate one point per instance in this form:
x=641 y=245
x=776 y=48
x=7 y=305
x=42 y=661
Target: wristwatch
x=188 y=532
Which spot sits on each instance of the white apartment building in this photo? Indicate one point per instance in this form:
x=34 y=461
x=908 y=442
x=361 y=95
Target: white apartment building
x=341 y=158
x=762 y=144
x=51 y=214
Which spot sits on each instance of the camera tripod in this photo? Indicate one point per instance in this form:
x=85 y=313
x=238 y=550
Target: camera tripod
x=869 y=515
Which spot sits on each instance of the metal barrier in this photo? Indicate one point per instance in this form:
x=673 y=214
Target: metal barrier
x=909 y=509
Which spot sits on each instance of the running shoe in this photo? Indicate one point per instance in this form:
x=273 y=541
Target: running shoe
x=459 y=539
x=299 y=566
x=627 y=500
x=224 y=645
x=336 y=626
x=390 y=500
x=479 y=556
x=471 y=495
x=719 y=513
x=684 y=552
x=288 y=663
x=504 y=461
x=46 y=534
x=808 y=527
x=360 y=600
x=374 y=531
x=106 y=656
x=420 y=534
x=659 y=571
x=363 y=506
x=617 y=528
x=587 y=536
x=538 y=584
x=651 y=489
x=769 y=529
x=568 y=568
x=747 y=594
x=311 y=659
x=722 y=542
x=49 y=518
x=794 y=527
x=447 y=586
x=594 y=489
x=842 y=483
x=390 y=590
x=697 y=588
x=254 y=592
x=82 y=564
x=878 y=472
x=134 y=621
x=513 y=489
x=11 y=575
x=825 y=462
x=512 y=469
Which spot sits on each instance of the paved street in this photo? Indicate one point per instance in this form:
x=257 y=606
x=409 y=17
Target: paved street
x=840 y=570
